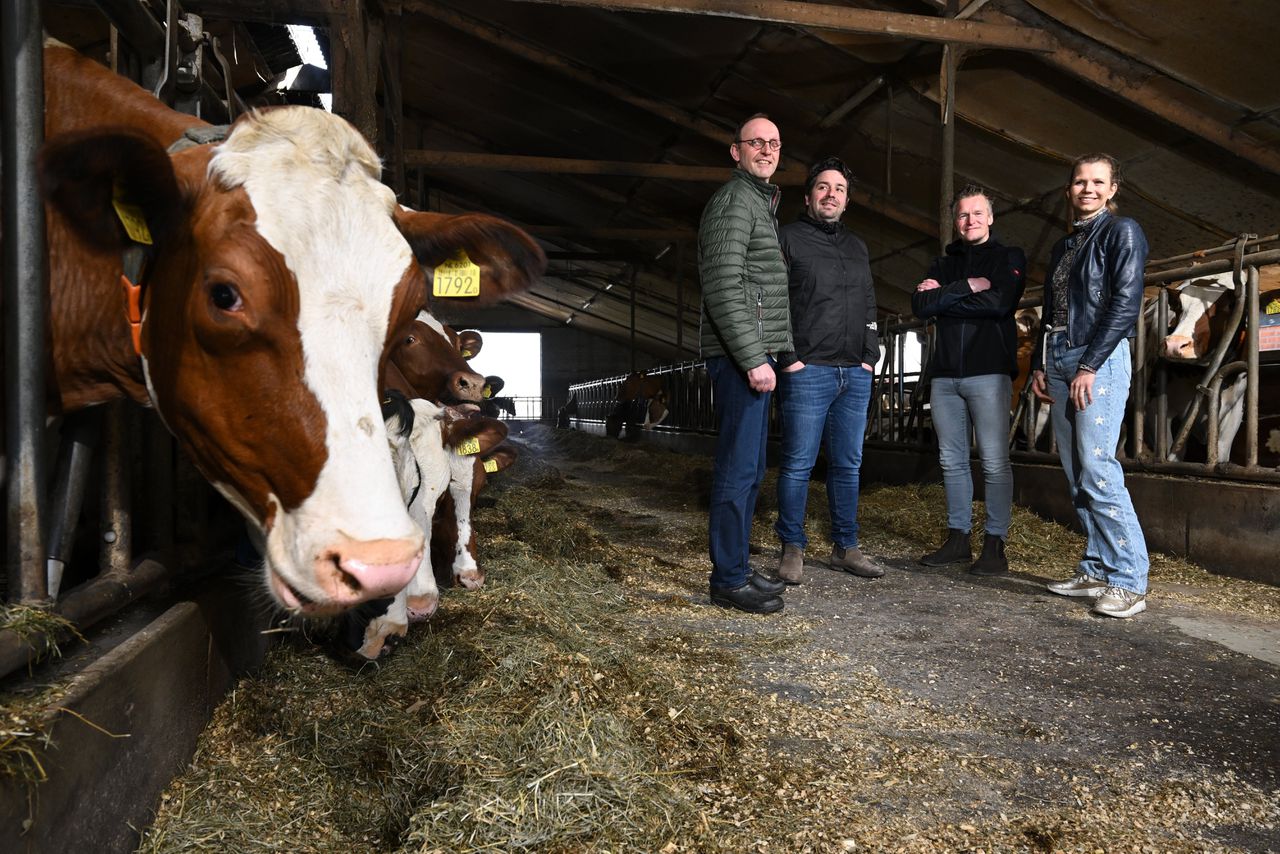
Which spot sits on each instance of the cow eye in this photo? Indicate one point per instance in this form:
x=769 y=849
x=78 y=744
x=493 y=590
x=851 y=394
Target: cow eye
x=410 y=340
x=225 y=297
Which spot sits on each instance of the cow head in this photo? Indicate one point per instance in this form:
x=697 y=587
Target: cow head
x=281 y=268
x=427 y=358
x=1203 y=310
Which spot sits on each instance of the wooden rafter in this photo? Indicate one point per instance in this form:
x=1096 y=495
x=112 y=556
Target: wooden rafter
x=874 y=202
x=1129 y=81
x=669 y=171
x=840 y=18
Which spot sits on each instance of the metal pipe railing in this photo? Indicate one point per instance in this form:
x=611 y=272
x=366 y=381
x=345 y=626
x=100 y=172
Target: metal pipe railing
x=1218 y=355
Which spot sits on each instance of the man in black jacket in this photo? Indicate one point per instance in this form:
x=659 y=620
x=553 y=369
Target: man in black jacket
x=826 y=384
x=972 y=293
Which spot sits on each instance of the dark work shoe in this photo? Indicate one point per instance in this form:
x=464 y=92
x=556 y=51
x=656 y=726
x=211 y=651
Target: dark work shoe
x=954 y=550
x=765 y=584
x=992 y=560
x=746 y=598
x=854 y=562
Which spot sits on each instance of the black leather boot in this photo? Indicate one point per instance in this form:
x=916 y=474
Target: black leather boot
x=992 y=560
x=954 y=550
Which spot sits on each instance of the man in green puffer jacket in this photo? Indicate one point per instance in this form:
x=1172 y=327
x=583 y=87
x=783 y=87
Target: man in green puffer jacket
x=746 y=322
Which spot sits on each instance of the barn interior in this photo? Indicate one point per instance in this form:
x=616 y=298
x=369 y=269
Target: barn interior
x=601 y=127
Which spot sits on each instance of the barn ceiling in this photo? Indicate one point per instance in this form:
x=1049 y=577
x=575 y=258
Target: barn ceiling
x=1182 y=91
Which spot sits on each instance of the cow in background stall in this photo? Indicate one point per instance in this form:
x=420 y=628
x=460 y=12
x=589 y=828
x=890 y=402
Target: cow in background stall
x=265 y=277
x=1028 y=323
x=1204 y=309
x=642 y=402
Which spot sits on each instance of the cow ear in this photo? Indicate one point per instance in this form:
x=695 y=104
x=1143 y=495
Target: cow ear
x=500 y=458
x=509 y=259
x=469 y=343
x=99 y=181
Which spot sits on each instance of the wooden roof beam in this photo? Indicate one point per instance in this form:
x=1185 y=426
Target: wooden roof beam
x=669 y=171
x=841 y=19
x=1130 y=81
x=492 y=35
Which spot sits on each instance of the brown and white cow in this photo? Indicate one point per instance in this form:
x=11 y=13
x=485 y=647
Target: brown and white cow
x=453 y=537
x=440 y=444
x=1204 y=309
x=280 y=273
x=429 y=360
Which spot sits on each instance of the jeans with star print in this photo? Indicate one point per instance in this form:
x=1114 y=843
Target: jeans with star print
x=1115 y=551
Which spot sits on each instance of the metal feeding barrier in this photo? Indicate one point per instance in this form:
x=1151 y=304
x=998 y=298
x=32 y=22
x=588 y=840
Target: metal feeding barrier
x=117 y=442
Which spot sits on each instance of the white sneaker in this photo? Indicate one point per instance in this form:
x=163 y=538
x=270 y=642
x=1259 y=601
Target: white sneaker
x=1078 y=585
x=1118 y=602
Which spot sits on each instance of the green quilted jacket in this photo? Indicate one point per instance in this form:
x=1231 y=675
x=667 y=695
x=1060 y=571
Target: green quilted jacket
x=745 y=309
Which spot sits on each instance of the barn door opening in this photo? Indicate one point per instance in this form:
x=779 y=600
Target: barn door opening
x=515 y=358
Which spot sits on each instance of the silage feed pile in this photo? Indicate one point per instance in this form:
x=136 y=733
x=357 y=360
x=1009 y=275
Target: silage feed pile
x=587 y=699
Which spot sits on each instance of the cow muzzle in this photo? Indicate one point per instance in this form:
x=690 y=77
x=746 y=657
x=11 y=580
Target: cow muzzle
x=350 y=572
x=1180 y=347
x=465 y=386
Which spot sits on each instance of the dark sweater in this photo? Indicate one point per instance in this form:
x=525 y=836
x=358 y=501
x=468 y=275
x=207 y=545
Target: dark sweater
x=833 y=298
x=976 y=334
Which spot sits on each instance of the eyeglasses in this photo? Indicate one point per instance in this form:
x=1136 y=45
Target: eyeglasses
x=757 y=143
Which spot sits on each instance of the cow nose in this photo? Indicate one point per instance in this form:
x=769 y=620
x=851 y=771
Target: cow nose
x=1176 y=347
x=466 y=385
x=422 y=607
x=355 y=571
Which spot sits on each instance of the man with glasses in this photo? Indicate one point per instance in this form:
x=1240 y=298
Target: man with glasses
x=826 y=383
x=745 y=324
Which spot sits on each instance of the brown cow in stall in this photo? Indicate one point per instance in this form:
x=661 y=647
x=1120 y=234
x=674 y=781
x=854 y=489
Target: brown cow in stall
x=280 y=271
x=641 y=400
x=429 y=360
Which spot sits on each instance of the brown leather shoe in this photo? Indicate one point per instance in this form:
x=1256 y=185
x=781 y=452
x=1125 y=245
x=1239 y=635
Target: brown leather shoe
x=791 y=567
x=854 y=562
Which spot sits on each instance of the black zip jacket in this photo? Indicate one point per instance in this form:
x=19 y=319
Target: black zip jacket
x=1104 y=289
x=833 y=298
x=976 y=334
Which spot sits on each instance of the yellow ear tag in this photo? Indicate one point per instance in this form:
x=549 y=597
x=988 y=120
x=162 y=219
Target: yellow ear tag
x=135 y=224
x=469 y=446
x=491 y=466
x=487 y=393
x=1273 y=307
x=467 y=354
x=457 y=277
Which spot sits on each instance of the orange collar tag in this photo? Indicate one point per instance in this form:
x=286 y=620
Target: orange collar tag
x=133 y=303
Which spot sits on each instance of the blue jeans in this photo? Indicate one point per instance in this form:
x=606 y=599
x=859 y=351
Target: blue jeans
x=1115 y=550
x=742 y=418
x=815 y=399
x=982 y=401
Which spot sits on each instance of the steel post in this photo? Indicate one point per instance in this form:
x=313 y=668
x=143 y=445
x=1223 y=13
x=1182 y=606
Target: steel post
x=25 y=295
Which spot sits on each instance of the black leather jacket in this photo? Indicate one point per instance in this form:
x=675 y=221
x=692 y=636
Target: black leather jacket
x=1104 y=289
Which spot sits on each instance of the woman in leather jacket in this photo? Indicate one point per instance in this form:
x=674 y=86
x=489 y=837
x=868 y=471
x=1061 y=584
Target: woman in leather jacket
x=1092 y=303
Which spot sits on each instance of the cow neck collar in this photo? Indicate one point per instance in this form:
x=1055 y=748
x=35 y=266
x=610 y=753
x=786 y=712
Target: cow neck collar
x=135 y=264
x=136 y=255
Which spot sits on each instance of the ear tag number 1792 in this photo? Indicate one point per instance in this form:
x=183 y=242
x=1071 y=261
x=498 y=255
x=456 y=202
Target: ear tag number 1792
x=457 y=277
